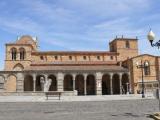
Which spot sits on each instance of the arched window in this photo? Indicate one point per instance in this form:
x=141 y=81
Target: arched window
x=22 y=53
x=14 y=53
x=147 y=68
x=127 y=44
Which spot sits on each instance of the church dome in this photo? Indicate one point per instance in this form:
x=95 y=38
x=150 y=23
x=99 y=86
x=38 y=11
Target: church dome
x=25 y=39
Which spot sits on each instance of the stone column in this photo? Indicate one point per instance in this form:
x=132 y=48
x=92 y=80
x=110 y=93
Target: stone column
x=130 y=83
x=74 y=86
x=34 y=82
x=111 y=88
x=74 y=77
x=120 y=83
x=99 y=83
x=60 y=78
x=45 y=77
x=85 y=84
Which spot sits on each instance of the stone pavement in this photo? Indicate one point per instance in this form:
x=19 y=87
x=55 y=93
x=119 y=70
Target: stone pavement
x=77 y=110
x=71 y=98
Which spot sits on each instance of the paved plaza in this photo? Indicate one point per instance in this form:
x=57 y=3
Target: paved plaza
x=82 y=110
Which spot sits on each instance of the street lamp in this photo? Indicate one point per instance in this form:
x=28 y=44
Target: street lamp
x=142 y=66
x=151 y=37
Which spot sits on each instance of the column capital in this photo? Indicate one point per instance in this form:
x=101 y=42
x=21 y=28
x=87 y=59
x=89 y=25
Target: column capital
x=99 y=75
x=34 y=77
x=120 y=75
x=111 y=74
x=45 y=75
x=85 y=76
x=74 y=76
x=60 y=75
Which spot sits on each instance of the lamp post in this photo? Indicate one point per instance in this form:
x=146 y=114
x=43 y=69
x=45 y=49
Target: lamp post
x=142 y=66
x=151 y=37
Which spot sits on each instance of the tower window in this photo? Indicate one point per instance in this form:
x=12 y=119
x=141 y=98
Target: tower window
x=84 y=57
x=111 y=57
x=22 y=53
x=41 y=57
x=127 y=44
x=56 y=57
x=98 y=57
x=70 y=57
x=14 y=53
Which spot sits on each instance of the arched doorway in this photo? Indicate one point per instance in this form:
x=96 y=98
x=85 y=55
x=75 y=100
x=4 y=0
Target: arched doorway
x=38 y=82
x=11 y=85
x=28 y=83
x=116 y=84
x=53 y=86
x=79 y=84
x=91 y=85
x=125 y=83
x=106 y=84
x=68 y=83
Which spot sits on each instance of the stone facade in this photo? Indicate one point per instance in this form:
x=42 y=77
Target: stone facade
x=76 y=72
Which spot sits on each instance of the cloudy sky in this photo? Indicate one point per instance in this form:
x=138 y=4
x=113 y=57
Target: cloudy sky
x=78 y=24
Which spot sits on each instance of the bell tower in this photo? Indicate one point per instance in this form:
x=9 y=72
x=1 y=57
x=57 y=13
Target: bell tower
x=18 y=54
x=126 y=47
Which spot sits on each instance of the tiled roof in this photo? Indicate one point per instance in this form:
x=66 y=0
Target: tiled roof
x=74 y=52
x=64 y=63
x=77 y=68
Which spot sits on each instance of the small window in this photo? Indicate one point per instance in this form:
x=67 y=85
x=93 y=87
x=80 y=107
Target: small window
x=84 y=57
x=155 y=85
x=70 y=57
x=14 y=53
x=147 y=68
x=149 y=86
x=22 y=53
x=98 y=57
x=127 y=44
x=41 y=57
x=56 y=57
x=111 y=57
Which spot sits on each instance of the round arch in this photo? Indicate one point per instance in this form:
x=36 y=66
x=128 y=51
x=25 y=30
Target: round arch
x=68 y=82
x=106 y=90
x=79 y=84
x=13 y=52
x=28 y=83
x=22 y=52
x=91 y=85
x=116 y=84
x=39 y=86
x=125 y=83
x=53 y=86
x=18 y=67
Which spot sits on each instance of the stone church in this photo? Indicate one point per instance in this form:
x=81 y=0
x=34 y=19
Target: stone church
x=78 y=72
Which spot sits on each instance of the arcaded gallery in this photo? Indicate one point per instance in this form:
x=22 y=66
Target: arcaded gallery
x=27 y=69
